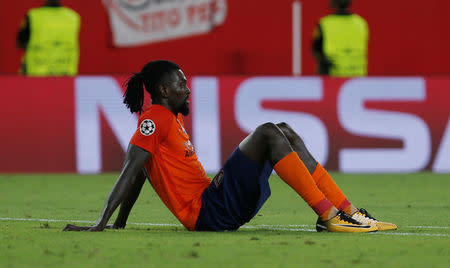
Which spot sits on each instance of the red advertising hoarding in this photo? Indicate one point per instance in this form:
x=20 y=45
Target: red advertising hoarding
x=377 y=124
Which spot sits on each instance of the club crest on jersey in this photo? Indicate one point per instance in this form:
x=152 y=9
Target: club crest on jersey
x=147 y=127
x=189 y=149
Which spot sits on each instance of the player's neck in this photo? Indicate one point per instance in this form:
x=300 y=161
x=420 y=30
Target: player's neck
x=167 y=106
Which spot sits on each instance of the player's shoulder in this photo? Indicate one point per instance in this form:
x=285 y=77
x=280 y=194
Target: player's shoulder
x=156 y=119
x=157 y=113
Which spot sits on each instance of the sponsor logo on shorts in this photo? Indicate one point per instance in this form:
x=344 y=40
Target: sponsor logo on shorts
x=218 y=178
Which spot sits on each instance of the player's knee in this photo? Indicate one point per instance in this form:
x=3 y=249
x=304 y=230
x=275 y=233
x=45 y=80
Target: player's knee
x=268 y=130
x=266 y=127
x=284 y=126
x=287 y=131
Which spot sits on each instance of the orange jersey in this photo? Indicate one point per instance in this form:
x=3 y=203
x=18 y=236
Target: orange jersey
x=175 y=172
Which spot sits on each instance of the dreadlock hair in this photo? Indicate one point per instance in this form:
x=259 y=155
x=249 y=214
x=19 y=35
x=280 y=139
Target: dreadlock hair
x=152 y=75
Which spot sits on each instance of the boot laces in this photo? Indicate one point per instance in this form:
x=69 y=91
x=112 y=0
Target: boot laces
x=344 y=217
x=366 y=214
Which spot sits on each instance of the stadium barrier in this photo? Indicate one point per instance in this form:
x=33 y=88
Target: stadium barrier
x=374 y=124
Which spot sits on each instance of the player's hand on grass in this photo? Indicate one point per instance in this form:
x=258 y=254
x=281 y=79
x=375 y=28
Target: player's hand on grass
x=93 y=228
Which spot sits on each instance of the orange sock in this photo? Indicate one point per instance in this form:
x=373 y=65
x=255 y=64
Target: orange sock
x=327 y=185
x=294 y=172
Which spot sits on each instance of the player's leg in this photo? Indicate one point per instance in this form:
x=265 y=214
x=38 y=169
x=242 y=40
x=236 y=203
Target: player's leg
x=268 y=143
x=327 y=185
x=323 y=180
x=241 y=187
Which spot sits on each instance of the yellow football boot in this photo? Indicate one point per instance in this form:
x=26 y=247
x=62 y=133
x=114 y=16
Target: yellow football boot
x=344 y=224
x=365 y=218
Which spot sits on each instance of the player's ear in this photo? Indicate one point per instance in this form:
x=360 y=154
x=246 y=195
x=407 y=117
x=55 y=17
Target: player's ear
x=163 y=91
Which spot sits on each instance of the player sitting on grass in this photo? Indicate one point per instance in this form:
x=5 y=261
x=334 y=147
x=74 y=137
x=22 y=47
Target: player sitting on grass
x=161 y=151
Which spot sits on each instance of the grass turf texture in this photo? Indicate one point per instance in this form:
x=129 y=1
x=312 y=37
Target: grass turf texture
x=407 y=200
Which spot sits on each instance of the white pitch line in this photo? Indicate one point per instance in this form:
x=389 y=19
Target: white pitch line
x=428 y=227
x=311 y=226
x=267 y=227
x=289 y=227
x=416 y=234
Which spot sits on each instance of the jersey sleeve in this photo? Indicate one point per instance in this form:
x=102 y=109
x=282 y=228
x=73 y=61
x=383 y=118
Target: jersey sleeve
x=152 y=130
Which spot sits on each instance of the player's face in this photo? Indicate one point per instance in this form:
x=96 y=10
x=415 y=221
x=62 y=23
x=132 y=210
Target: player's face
x=179 y=93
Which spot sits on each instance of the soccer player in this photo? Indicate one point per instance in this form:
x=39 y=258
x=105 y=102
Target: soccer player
x=161 y=152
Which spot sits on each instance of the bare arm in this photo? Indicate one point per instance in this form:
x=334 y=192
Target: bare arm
x=134 y=163
x=129 y=200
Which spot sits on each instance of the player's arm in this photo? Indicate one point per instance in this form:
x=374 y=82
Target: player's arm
x=135 y=160
x=129 y=200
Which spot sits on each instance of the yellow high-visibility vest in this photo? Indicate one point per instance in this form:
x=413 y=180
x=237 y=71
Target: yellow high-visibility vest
x=345 y=39
x=53 y=48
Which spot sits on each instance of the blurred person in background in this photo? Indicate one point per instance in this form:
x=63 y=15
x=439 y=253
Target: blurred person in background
x=49 y=36
x=340 y=42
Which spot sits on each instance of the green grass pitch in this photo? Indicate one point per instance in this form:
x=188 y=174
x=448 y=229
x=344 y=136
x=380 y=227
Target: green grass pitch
x=35 y=207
